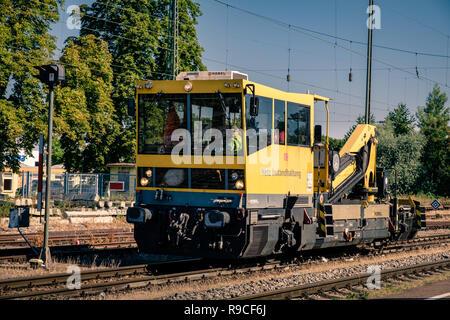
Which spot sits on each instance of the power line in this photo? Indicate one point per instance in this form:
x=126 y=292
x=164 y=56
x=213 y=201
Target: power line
x=279 y=23
x=73 y=65
x=283 y=24
x=302 y=30
x=296 y=81
x=416 y=20
x=353 y=69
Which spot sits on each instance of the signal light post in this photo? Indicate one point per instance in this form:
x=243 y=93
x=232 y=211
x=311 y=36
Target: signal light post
x=51 y=75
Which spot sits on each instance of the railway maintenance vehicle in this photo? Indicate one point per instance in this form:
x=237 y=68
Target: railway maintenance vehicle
x=230 y=168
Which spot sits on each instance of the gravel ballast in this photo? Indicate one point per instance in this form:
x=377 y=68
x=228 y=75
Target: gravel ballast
x=295 y=279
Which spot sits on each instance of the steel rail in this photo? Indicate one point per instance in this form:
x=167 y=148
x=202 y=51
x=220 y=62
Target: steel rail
x=55 y=279
x=327 y=285
x=86 y=275
x=443 y=224
x=69 y=236
x=23 y=253
x=139 y=282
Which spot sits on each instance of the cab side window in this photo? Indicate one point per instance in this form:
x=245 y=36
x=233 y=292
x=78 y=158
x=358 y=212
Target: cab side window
x=298 y=125
x=261 y=125
x=279 y=123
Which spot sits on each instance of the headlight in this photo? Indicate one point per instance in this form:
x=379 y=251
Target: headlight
x=149 y=173
x=234 y=176
x=239 y=184
x=144 y=181
x=187 y=86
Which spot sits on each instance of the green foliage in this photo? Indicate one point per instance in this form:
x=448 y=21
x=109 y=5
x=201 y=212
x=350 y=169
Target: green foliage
x=400 y=149
x=334 y=144
x=4 y=209
x=400 y=153
x=401 y=119
x=136 y=33
x=57 y=152
x=433 y=123
x=120 y=43
x=421 y=159
x=190 y=51
x=10 y=132
x=24 y=43
x=84 y=112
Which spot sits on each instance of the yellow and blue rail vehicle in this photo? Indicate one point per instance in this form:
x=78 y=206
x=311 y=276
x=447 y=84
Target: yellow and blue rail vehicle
x=273 y=187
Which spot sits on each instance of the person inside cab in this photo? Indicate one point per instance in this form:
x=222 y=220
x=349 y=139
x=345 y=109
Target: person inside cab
x=173 y=122
x=234 y=145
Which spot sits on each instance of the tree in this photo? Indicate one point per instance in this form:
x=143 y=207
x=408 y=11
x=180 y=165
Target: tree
x=24 y=43
x=433 y=123
x=401 y=119
x=136 y=33
x=400 y=153
x=11 y=131
x=334 y=144
x=84 y=111
x=189 y=49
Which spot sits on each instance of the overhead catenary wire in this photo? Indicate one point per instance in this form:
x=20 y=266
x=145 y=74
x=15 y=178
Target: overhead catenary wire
x=284 y=24
x=296 y=81
x=226 y=41
x=311 y=33
x=402 y=13
x=288 y=77
x=335 y=42
x=446 y=62
x=298 y=27
x=291 y=69
x=94 y=69
x=241 y=67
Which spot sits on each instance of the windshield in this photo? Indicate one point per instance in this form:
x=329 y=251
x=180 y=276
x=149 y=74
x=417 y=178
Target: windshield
x=161 y=114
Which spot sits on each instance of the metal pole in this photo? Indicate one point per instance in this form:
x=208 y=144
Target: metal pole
x=47 y=256
x=369 y=63
x=40 y=174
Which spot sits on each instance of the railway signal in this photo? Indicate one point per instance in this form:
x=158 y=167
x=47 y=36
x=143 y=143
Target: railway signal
x=52 y=74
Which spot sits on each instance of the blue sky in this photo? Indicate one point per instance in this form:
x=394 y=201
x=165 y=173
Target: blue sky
x=235 y=40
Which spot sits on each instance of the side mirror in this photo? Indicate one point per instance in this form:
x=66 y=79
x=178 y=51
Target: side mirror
x=254 y=106
x=317 y=134
x=131 y=107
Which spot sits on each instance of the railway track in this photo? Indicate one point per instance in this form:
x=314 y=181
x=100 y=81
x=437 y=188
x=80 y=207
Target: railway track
x=445 y=206
x=140 y=276
x=21 y=255
x=59 y=238
x=330 y=287
x=438 y=224
x=416 y=242
x=67 y=243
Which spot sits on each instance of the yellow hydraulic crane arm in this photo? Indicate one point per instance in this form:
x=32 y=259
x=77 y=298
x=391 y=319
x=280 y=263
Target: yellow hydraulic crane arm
x=357 y=161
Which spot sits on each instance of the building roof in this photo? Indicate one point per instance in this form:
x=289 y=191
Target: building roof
x=121 y=164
